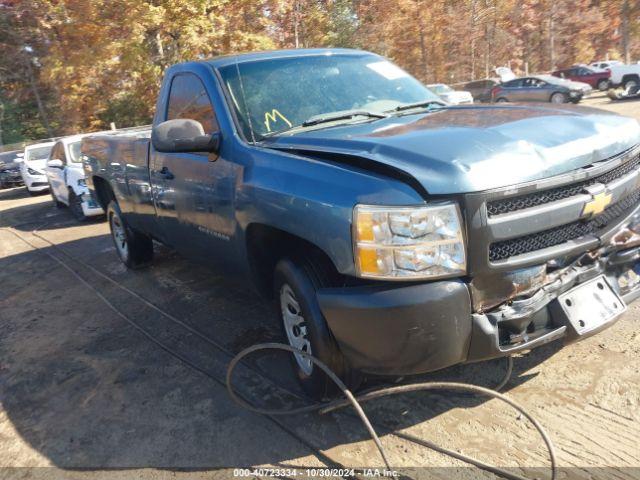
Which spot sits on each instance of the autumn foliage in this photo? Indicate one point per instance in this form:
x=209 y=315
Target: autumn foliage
x=77 y=65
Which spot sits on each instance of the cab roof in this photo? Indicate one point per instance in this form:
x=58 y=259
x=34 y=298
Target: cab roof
x=226 y=60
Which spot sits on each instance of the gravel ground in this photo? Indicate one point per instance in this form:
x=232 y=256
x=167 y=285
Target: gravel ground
x=86 y=393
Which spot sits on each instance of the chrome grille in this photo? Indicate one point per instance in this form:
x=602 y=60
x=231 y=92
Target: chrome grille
x=507 y=205
x=564 y=233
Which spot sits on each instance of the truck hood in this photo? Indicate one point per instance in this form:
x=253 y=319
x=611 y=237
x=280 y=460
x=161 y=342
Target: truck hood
x=473 y=148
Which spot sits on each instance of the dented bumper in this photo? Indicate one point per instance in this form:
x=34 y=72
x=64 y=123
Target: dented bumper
x=400 y=330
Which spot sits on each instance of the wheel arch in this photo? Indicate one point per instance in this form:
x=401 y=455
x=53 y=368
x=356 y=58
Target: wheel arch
x=630 y=76
x=266 y=245
x=104 y=192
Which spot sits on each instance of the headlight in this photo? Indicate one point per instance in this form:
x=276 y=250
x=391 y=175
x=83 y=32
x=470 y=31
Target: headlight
x=409 y=243
x=32 y=171
x=573 y=93
x=82 y=182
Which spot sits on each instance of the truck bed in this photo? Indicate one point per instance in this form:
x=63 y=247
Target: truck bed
x=122 y=157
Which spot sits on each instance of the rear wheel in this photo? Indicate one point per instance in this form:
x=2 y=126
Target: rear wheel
x=502 y=100
x=75 y=205
x=295 y=285
x=134 y=249
x=603 y=85
x=630 y=83
x=558 y=97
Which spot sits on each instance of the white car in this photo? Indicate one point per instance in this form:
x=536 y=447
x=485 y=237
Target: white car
x=605 y=65
x=66 y=178
x=32 y=167
x=449 y=95
x=627 y=76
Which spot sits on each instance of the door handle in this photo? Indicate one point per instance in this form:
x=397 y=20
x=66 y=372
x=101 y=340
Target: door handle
x=166 y=174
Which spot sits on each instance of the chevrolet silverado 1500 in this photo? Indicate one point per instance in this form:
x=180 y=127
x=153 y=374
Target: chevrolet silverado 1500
x=396 y=234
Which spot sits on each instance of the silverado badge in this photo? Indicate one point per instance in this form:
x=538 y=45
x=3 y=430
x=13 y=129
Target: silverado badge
x=597 y=204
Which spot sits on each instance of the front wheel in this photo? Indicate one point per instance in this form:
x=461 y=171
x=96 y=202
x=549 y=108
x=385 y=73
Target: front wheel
x=295 y=285
x=134 y=249
x=603 y=85
x=75 y=205
x=558 y=98
x=502 y=100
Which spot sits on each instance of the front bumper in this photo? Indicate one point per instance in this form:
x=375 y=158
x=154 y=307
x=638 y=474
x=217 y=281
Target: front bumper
x=401 y=330
x=35 y=183
x=89 y=206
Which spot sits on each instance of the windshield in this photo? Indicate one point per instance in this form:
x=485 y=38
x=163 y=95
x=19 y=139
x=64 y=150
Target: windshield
x=74 y=152
x=275 y=95
x=39 y=153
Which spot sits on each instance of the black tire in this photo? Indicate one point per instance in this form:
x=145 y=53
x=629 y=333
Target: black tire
x=304 y=278
x=75 y=205
x=502 y=100
x=134 y=249
x=629 y=83
x=558 y=97
x=603 y=85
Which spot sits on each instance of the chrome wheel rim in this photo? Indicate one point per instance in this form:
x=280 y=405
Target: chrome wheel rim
x=119 y=237
x=295 y=327
x=557 y=98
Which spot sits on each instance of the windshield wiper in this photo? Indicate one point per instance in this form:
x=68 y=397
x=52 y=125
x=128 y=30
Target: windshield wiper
x=423 y=104
x=342 y=115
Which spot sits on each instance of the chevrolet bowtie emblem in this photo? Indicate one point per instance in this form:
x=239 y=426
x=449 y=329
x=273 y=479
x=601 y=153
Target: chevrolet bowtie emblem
x=597 y=204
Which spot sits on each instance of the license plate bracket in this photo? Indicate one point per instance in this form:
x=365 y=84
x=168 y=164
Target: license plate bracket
x=591 y=304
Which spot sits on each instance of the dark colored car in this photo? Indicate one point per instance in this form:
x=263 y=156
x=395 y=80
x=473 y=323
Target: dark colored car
x=480 y=89
x=595 y=77
x=540 y=88
x=395 y=234
x=10 y=169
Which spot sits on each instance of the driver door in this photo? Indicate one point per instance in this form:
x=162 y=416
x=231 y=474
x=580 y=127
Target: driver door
x=193 y=191
x=57 y=176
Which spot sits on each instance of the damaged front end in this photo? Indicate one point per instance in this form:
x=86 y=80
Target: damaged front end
x=525 y=308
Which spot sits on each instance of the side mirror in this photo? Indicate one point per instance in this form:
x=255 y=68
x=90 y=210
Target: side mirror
x=183 y=135
x=55 y=163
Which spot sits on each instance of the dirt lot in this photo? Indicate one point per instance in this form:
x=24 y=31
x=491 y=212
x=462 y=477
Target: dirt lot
x=91 y=392
x=630 y=108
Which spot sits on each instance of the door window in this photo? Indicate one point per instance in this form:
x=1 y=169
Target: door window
x=513 y=83
x=57 y=153
x=188 y=99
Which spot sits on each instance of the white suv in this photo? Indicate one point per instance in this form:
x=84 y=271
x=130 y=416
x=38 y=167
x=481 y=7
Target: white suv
x=32 y=167
x=627 y=76
x=66 y=177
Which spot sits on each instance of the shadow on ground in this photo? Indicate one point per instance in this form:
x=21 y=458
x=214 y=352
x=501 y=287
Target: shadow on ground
x=39 y=211
x=86 y=389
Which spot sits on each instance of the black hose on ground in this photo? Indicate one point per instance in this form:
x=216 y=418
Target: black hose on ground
x=383 y=392
x=350 y=399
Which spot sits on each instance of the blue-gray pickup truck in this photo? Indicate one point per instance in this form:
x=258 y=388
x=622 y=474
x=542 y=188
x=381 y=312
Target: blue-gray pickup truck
x=396 y=234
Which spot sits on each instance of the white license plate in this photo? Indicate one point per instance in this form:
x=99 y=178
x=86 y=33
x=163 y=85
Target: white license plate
x=591 y=304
